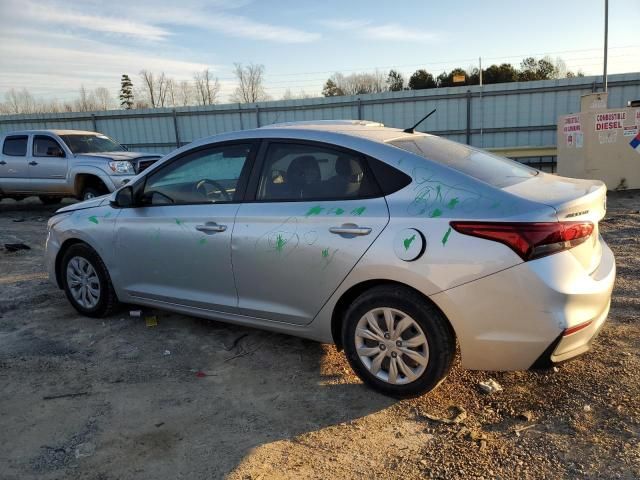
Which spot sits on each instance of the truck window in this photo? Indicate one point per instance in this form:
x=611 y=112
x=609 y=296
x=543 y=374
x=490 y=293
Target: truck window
x=15 y=146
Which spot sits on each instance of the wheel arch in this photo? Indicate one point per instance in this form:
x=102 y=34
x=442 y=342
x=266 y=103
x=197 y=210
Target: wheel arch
x=63 y=249
x=341 y=306
x=83 y=179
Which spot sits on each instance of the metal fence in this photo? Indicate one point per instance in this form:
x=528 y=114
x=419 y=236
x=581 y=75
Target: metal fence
x=494 y=116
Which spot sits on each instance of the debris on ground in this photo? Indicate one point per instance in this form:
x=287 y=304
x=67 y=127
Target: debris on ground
x=14 y=247
x=527 y=416
x=490 y=386
x=65 y=395
x=151 y=321
x=587 y=408
x=135 y=313
x=459 y=415
x=166 y=352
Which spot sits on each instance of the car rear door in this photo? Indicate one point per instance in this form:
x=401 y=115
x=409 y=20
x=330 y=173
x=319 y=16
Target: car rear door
x=312 y=211
x=47 y=165
x=14 y=172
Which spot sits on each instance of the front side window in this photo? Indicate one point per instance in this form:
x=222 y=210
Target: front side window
x=15 y=146
x=83 y=143
x=205 y=176
x=309 y=172
x=46 y=147
x=487 y=167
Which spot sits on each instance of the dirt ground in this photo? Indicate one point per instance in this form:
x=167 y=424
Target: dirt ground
x=272 y=406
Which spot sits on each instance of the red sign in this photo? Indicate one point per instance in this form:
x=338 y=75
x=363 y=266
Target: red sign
x=571 y=124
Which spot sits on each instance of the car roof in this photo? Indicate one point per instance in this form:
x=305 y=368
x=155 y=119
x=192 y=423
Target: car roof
x=360 y=128
x=54 y=131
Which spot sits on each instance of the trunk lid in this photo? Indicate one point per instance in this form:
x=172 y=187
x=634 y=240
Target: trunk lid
x=574 y=200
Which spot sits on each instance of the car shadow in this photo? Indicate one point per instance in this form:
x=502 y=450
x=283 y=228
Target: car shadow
x=190 y=398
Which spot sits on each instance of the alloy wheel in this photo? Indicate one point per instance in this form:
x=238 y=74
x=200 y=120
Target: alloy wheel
x=83 y=282
x=391 y=345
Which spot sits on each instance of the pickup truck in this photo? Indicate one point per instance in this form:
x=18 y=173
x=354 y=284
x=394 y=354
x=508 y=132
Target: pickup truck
x=54 y=164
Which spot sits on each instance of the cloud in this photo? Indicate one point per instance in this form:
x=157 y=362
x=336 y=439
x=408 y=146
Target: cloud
x=159 y=17
x=387 y=31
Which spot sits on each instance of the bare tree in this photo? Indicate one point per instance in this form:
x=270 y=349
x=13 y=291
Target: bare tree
x=19 y=101
x=184 y=93
x=172 y=92
x=207 y=88
x=86 y=102
x=358 y=83
x=161 y=89
x=103 y=98
x=250 y=87
x=149 y=87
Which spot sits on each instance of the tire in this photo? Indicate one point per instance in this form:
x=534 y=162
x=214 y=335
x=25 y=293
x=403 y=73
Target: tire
x=106 y=300
x=91 y=192
x=47 y=200
x=413 y=315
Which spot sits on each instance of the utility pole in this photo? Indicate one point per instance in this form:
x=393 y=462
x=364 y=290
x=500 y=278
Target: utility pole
x=606 y=42
x=481 y=107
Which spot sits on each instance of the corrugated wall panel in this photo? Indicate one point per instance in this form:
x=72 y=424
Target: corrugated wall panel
x=509 y=115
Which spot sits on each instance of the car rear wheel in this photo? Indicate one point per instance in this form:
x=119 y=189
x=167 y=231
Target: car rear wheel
x=86 y=282
x=47 y=200
x=397 y=342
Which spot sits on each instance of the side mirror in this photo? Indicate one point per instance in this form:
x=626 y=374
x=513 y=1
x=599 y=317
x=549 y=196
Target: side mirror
x=124 y=198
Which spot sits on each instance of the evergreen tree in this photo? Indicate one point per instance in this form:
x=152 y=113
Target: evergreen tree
x=126 y=92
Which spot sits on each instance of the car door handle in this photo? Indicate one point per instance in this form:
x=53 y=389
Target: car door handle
x=348 y=230
x=33 y=163
x=3 y=162
x=211 y=227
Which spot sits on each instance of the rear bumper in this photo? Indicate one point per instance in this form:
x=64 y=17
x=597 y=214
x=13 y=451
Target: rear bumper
x=515 y=319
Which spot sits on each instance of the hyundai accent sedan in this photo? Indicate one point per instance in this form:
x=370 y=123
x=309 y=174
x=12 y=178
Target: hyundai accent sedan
x=394 y=245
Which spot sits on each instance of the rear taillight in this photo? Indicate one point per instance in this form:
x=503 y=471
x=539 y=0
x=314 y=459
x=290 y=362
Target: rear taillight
x=530 y=240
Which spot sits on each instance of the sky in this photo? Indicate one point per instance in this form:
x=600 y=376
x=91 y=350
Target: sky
x=52 y=47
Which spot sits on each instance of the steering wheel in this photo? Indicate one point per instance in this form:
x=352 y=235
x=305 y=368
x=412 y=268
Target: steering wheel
x=218 y=190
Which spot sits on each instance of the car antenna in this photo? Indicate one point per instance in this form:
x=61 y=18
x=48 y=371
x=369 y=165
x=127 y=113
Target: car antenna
x=411 y=130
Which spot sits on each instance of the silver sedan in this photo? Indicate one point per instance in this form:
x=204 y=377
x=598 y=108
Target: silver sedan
x=393 y=245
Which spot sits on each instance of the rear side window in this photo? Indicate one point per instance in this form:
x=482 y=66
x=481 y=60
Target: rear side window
x=15 y=146
x=305 y=172
x=390 y=179
x=492 y=169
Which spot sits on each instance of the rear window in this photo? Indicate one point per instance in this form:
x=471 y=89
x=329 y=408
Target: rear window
x=15 y=146
x=492 y=169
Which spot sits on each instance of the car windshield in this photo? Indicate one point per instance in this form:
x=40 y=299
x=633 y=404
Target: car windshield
x=487 y=167
x=91 y=143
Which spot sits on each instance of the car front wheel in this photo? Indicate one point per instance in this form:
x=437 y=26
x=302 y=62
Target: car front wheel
x=86 y=282
x=397 y=342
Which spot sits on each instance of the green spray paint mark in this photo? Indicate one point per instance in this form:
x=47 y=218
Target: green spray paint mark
x=107 y=215
x=409 y=241
x=495 y=205
x=438 y=193
x=338 y=211
x=202 y=241
x=325 y=253
x=436 y=213
x=358 y=211
x=314 y=211
x=94 y=219
x=446 y=237
x=453 y=202
x=280 y=243
x=178 y=221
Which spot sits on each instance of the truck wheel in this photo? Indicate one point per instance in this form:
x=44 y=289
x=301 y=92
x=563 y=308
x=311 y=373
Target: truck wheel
x=47 y=200
x=91 y=192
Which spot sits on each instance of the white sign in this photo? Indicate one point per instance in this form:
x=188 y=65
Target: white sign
x=610 y=120
x=571 y=124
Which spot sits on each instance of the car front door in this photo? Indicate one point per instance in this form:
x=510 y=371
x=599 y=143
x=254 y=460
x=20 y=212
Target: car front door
x=311 y=212
x=14 y=171
x=175 y=247
x=47 y=165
